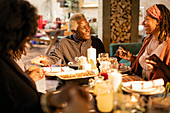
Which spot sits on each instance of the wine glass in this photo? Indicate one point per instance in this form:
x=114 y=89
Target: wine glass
x=104 y=62
x=114 y=63
x=103 y=57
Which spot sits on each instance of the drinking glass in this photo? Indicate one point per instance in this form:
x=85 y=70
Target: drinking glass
x=114 y=63
x=104 y=69
x=123 y=103
x=104 y=97
x=103 y=57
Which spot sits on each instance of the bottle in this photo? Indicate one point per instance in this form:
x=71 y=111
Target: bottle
x=104 y=97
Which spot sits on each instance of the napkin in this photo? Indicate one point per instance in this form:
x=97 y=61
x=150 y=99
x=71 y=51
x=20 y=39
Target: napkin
x=137 y=85
x=116 y=79
x=41 y=85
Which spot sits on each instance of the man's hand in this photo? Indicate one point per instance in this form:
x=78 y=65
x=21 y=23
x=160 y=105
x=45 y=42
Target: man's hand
x=122 y=53
x=40 y=60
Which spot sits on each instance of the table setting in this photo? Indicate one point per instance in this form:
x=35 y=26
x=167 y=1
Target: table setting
x=114 y=88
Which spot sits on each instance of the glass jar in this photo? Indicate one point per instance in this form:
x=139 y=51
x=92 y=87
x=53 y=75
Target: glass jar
x=104 y=97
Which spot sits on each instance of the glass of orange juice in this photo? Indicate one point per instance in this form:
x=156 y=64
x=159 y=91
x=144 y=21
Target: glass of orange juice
x=104 y=97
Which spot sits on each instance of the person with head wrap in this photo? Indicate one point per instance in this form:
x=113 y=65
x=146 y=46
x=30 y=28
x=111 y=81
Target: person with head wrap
x=157 y=26
x=75 y=45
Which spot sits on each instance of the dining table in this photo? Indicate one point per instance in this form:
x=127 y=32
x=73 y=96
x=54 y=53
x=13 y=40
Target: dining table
x=53 y=84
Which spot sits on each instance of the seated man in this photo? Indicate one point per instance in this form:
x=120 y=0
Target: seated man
x=74 y=45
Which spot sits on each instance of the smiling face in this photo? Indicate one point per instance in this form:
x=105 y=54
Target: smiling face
x=151 y=25
x=83 y=30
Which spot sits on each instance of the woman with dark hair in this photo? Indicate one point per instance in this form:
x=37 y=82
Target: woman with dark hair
x=18 y=22
x=157 y=25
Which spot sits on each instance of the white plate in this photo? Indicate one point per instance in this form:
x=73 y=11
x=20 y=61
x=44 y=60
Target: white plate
x=158 y=90
x=57 y=69
x=145 y=90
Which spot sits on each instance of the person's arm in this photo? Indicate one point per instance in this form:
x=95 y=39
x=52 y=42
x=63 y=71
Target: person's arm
x=57 y=54
x=154 y=62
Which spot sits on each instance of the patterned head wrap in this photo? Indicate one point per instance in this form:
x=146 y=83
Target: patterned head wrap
x=154 y=12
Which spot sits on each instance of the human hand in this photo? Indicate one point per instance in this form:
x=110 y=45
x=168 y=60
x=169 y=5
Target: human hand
x=36 y=73
x=153 y=62
x=40 y=60
x=122 y=53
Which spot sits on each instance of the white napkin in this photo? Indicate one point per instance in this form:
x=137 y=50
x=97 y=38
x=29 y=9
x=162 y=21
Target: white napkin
x=136 y=85
x=116 y=79
x=41 y=85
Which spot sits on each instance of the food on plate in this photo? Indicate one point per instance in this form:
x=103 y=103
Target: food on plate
x=76 y=75
x=128 y=78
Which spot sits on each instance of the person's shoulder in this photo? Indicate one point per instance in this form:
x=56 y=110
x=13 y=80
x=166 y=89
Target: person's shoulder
x=95 y=38
x=65 y=39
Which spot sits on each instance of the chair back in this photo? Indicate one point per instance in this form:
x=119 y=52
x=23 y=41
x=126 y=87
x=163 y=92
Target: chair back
x=132 y=47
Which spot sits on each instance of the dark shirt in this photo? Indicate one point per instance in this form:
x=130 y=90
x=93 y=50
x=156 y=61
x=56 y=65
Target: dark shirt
x=18 y=90
x=70 y=47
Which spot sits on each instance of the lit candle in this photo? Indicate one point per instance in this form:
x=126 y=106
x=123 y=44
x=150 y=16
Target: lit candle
x=91 y=55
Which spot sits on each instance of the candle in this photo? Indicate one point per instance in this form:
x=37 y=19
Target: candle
x=91 y=55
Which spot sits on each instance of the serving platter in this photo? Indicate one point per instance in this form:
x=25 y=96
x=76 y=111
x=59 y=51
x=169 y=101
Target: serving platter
x=70 y=75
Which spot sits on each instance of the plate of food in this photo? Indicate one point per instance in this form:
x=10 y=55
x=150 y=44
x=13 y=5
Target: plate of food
x=75 y=74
